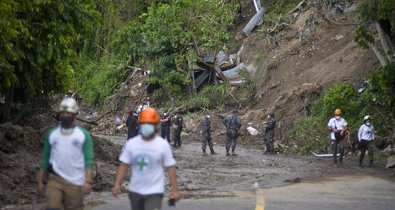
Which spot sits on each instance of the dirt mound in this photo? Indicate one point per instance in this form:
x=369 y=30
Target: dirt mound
x=19 y=156
x=127 y=97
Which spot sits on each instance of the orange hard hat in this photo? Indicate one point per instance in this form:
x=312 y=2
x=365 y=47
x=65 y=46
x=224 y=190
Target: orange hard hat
x=149 y=115
x=338 y=112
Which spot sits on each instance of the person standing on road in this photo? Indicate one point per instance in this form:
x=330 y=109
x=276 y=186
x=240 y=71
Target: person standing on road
x=232 y=123
x=179 y=124
x=147 y=155
x=338 y=127
x=132 y=124
x=206 y=135
x=165 y=127
x=270 y=125
x=366 y=140
x=67 y=159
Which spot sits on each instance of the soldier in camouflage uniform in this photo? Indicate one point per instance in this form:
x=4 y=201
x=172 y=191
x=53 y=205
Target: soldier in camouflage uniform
x=206 y=135
x=178 y=123
x=269 y=133
x=232 y=123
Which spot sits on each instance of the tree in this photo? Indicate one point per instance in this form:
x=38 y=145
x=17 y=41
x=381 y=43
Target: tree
x=378 y=14
x=40 y=41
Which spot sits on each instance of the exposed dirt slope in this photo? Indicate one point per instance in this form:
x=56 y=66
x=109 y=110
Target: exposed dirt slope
x=310 y=54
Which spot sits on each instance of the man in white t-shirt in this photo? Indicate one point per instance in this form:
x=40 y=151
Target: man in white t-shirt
x=148 y=155
x=338 y=127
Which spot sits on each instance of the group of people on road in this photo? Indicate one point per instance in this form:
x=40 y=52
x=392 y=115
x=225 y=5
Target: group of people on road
x=339 y=129
x=66 y=165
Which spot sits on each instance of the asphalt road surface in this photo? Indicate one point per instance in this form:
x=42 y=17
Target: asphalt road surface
x=348 y=192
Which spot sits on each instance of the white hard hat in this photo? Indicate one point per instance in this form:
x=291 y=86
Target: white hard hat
x=69 y=105
x=367 y=117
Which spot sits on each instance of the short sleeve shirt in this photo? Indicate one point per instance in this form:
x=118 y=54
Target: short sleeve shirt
x=148 y=159
x=339 y=124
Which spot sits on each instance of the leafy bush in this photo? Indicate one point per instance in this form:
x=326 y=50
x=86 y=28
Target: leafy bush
x=209 y=97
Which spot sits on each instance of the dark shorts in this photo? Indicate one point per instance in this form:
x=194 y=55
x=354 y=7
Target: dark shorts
x=145 y=202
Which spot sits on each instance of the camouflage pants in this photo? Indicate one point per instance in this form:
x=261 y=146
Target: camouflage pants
x=206 y=138
x=366 y=145
x=338 y=145
x=177 y=137
x=269 y=140
x=231 y=139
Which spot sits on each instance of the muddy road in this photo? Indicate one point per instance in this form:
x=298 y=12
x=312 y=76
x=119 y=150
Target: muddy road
x=232 y=182
x=250 y=178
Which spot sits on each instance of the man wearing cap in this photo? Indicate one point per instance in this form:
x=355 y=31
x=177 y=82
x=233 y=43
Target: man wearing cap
x=206 y=135
x=165 y=127
x=149 y=156
x=67 y=159
x=338 y=128
x=270 y=124
x=366 y=140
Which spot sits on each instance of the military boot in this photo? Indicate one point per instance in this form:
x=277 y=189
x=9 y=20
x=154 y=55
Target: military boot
x=227 y=153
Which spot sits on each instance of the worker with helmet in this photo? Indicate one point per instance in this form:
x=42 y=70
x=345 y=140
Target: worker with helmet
x=67 y=159
x=148 y=155
x=366 y=140
x=338 y=128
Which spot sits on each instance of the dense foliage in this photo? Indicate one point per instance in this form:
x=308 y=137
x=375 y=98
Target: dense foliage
x=40 y=41
x=158 y=38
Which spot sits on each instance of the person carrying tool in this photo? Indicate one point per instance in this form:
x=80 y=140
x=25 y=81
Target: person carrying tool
x=132 y=124
x=148 y=155
x=366 y=140
x=338 y=128
x=67 y=161
x=233 y=124
x=179 y=124
x=165 y=127
x=270 y=125
x=206 y=135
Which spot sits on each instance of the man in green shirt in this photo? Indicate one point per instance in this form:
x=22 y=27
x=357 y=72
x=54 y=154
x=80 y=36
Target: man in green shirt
x=67 y=159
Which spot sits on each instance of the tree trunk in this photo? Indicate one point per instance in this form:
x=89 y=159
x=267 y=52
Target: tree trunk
x=379 y=55
x=384 y=42
x=9 y=98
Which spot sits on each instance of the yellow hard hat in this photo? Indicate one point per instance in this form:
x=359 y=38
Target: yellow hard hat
x=338 y=112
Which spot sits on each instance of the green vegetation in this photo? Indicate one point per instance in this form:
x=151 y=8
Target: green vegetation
x=157 y=38
x=40 y=41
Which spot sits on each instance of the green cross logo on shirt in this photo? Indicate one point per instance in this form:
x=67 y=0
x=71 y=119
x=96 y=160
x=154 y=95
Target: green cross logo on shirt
x=142 y=163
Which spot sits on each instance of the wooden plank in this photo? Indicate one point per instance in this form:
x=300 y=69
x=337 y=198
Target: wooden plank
x=221 y=75
x=253 y=22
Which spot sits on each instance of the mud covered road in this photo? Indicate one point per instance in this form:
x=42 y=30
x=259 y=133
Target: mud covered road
x=220 y=182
